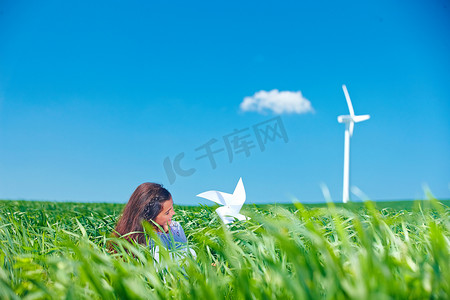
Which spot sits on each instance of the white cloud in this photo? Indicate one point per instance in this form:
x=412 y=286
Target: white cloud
x=277 y=102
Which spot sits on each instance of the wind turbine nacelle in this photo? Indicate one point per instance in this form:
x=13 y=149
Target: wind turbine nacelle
x=350 y=118
x=345 y=119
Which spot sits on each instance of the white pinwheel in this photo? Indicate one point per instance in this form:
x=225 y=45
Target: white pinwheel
x=232 y=203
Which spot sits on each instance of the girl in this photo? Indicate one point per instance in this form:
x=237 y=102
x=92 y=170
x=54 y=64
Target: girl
x=151 y=202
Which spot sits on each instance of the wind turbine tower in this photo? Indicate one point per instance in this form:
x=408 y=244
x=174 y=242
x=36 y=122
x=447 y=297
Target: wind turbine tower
x=349 y=121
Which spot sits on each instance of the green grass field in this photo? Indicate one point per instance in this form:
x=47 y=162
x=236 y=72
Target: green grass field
x=389 y=250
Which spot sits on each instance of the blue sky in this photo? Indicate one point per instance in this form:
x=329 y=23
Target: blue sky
x=96 y=95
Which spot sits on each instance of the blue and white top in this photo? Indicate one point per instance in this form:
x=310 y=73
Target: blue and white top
x=175 y=238
x=175 y=241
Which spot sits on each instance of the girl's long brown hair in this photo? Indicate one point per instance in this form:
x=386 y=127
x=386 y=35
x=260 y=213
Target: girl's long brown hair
x=145 y=204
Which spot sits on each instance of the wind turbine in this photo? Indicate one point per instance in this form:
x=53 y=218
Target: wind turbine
x=349 y=121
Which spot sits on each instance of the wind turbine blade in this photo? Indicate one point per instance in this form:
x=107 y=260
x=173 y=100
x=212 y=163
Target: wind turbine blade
x=361 y=118
x=218 y=197
x=349 y=102
x=351 y=126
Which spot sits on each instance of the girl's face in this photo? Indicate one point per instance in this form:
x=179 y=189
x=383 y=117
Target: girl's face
x=165 y=216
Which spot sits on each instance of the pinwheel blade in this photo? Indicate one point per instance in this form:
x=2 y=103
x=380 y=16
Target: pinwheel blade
x=218 y=197
x=238 y=194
